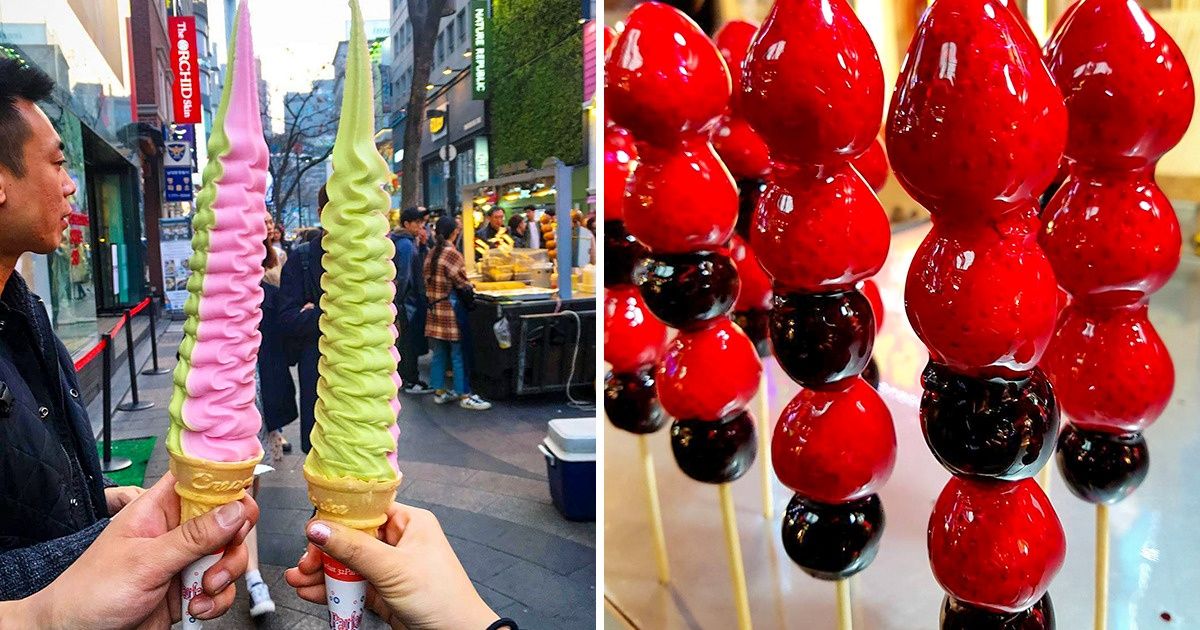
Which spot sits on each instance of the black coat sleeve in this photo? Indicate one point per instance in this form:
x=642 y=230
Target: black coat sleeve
x=28 y=570
x=290 y=301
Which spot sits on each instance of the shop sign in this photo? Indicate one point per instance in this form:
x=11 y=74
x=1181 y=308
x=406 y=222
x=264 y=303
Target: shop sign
x=178 y=183
x=185 y=90
x=175 y=249
x=481 y=28
x=177 y=154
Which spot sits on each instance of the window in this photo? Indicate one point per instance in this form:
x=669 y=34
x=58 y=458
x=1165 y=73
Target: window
x=450 y=37
x=462 y=23
x=396 y=44
x=441 y=48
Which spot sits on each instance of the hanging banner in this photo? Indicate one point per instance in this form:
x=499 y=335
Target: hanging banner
x=175 y=238
x=178 y=183
x=185 y=89
x=481 y=35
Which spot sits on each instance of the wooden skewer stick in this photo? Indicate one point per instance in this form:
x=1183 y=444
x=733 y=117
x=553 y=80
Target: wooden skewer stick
x=656 y=527
x=764 y=447
x=737 y=572
x=845 y=616
x=1101 y=567
x=1044 y=478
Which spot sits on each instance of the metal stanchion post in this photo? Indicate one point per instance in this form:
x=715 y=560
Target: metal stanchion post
x=134 y=403
x=108 y=463
x=154 y=370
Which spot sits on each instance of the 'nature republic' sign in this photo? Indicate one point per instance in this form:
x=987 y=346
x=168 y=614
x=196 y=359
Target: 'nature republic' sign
x=480 y=34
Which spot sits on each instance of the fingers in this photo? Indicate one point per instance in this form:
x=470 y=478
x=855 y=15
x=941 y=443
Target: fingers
x=212 y=606
x=310 y=562
x=201 y=536
x=228 y=569
x=314 y=594
x=363 y=554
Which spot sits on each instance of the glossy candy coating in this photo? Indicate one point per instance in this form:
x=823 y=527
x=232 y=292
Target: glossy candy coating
x=873 y=165
x=995 y=545
x=835 y=446
x=755 y=291
x=633 y=338
x=983 y=301
x=733 y=42
x=743 y=151
x=994 y=428
x=1112 y=236
x=682 y=199
x=819 y=229
x=1127 y=84
x=813 y=87
x=832 y=542
x=755 y=324
x=822 y=338
x=871 y=290
x=688 y=290
x=620 y=160
x=631 y=402
x=958 y=615
x=710 y=373
x=1102 y=467
x=622 y=254
x=1110 y=369
x=715 y=451
x=664 y=79
x=871 y=373
x=976 y=124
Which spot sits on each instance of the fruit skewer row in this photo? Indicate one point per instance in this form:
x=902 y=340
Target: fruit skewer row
x=974 y=137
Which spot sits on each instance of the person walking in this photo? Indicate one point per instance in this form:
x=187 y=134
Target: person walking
x=54 y=499
x=445 y=275
x=533 y=233
x=299 y=314
x=410 y=297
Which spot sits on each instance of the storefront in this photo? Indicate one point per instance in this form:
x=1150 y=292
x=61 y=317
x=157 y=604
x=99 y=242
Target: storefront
x=457 y=127
x=99 y=266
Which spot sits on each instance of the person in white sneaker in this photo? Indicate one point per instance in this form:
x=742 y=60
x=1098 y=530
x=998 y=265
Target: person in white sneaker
x=445 y=274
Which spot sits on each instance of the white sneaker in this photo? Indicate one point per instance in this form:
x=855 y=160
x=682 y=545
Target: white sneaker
x=442 y=398
x=260 y=599
x=474 y=403
x=417 y=388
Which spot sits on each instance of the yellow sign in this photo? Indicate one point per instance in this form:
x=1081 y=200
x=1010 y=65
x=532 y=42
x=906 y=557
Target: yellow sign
x=436 y=124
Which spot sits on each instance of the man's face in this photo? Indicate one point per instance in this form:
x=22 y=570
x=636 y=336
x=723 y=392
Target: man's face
x=34 y=207
x=413 y=227
x=497 y=219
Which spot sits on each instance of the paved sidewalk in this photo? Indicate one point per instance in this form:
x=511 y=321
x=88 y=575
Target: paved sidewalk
x=479 y=472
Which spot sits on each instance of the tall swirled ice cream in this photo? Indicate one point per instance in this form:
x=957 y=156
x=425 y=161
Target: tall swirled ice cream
x=213 y=438
x=351 y=470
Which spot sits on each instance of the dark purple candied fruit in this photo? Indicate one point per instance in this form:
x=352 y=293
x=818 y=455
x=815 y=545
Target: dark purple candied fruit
x=832 y=542
x=749 y=191
x=958 y=615
x=755 y=324
x=1102 y=467
x=631 y=402
x=994 y=428
x=687 y=290
x=822 y=338
x=622 y=253
x=715 y=451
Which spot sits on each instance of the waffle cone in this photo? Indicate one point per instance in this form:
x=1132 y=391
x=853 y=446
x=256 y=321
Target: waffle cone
x=204 y=485
x=357 y=503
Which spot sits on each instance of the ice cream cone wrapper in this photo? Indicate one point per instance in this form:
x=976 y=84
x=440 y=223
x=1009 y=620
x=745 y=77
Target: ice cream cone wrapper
x=203 y=486
x=346 y=595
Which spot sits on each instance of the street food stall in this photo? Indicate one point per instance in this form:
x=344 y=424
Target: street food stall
x=533 y=326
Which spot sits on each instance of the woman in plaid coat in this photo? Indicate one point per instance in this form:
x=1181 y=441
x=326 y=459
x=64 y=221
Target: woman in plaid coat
x=445 y=272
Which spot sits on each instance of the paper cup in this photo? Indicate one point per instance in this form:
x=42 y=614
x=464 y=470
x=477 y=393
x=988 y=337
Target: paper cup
x=190 y=582
x=346 y=595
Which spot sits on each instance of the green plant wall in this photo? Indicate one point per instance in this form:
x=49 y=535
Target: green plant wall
x=537 y=91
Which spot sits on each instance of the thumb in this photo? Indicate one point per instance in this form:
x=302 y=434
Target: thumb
x=201 y=536
x=364 y=554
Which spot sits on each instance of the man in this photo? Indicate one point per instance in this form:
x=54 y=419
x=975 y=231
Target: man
x=299 y=313
x=54 y=501
x=533 y=230
x=495 y=223
x=410 y=296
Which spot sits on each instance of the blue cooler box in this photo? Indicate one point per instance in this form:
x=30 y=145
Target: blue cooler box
x=570 y=452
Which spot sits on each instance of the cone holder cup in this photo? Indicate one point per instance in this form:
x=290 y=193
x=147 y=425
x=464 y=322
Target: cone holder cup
x=203 y=486
x=359 y=504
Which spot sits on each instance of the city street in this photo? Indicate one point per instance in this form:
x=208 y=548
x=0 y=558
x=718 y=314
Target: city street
x=479 y=472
